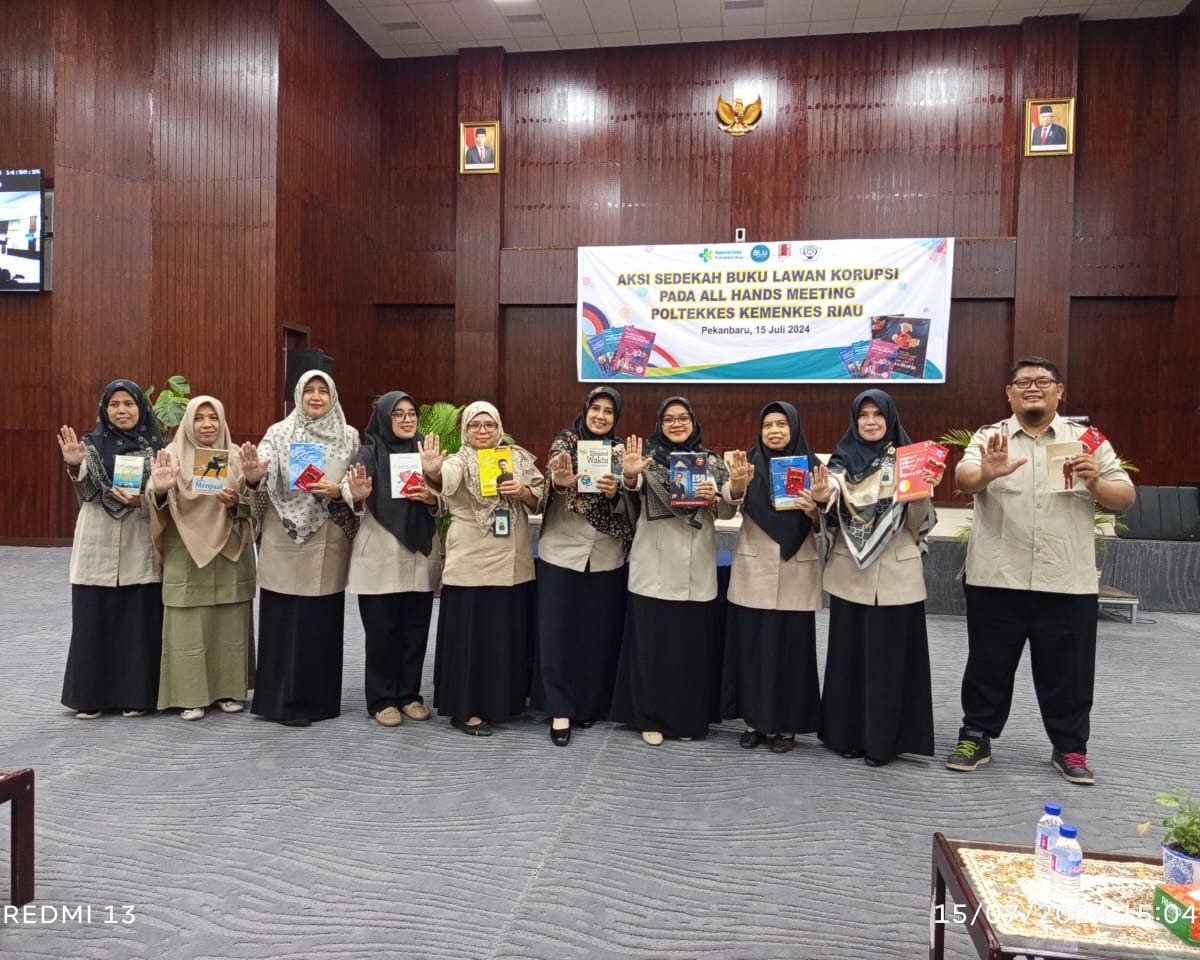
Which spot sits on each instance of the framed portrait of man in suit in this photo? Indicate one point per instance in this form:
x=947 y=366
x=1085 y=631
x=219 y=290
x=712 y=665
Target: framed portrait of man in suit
x=479 y=146
x=1049 y=126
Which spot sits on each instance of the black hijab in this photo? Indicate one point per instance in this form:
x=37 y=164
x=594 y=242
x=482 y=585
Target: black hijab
x=660 y=447
x=109 y=441
x=580 y=428
x=407 y=521
x=856 y=456
x=788 y=528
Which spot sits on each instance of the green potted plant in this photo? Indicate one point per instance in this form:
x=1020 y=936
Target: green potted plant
x=169 y=405
x=1181 y=836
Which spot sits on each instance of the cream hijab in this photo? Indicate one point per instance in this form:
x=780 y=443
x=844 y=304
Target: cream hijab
x=206 y=527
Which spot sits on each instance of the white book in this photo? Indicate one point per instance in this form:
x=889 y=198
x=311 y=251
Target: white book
x=405 y=470
x=127 y=471
x=1061 y=477
x=595 y=460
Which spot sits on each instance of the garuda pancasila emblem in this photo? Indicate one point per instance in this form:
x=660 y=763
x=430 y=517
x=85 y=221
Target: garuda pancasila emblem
x=738 y=120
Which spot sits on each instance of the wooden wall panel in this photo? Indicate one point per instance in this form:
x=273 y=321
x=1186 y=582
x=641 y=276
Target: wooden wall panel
x=213 y=131
x=26 y=320
x=327 y=224
x=1184 y=372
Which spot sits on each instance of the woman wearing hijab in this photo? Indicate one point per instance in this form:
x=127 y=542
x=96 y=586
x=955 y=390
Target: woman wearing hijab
x=581 y=574
x=305 y=553
x=877 y=700
x=203 y=539
x=116 y=601
x=770 y=678
x=664 y=678
x=480 y=669
x=395 y=565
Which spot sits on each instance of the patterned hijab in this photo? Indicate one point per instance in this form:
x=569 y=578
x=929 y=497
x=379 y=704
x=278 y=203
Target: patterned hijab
x=204 y=524
x=788 y=528
x=656 y=478
x=107 y=441
x=524 y=469
x=595 y=508
x=409 y=522
x=868 y=513
x=303 y=514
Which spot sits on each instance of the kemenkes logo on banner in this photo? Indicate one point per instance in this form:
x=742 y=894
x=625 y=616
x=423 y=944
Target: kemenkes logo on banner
x=821 y=311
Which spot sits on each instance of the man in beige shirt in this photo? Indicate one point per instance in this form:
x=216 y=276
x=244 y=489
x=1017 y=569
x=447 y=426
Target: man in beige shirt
x=1031 y=569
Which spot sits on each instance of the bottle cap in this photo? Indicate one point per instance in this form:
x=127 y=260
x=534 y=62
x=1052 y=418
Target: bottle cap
x=1068 y=830
x=1053 y=809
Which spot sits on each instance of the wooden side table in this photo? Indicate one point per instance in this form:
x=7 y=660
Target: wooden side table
x=16 y=787
x=988 y=883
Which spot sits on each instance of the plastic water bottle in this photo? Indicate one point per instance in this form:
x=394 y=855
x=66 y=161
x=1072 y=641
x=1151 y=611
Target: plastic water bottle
x=1067 y=863
x=1043 y=843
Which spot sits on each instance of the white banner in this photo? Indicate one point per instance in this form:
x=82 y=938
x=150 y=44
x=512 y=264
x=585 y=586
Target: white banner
x=822 y=311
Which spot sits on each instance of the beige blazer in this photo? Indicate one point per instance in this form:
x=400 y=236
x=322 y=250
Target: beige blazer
x=762 y=580
x=895 y=579
x=315 y=568
x=379 y=563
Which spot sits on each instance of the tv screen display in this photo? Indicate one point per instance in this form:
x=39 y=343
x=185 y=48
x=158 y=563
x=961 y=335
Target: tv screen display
x=20 y=231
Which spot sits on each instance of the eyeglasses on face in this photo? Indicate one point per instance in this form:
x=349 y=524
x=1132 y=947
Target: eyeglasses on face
x=1042 y=383
x=403 y=415
x=476 y=426
x=682 y=420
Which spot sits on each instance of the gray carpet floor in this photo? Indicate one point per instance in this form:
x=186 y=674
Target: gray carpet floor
x=232 y=837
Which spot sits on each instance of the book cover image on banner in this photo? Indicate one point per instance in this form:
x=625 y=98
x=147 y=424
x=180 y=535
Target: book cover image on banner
x=818 y=311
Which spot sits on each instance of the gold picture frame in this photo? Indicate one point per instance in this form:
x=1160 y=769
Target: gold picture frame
x=479 y=146
x=1049 y=126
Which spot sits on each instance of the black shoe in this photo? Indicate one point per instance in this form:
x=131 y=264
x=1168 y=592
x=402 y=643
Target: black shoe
x=480 y=729
x=783 y=744
x=970 y=752
x=1073 y=767
x=561 y=737
x=853 y=754
x=296 y=722
x=872 y=762
x=751 y=739
x=585 y=724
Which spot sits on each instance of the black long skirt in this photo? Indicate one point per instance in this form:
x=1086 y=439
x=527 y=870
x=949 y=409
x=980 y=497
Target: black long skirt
x=664 y=680
x=770 y=676
x=877 y=696
x=116 y=648
x=481 y=665
x=397 y=634
x=299 y=656
x=580 y=616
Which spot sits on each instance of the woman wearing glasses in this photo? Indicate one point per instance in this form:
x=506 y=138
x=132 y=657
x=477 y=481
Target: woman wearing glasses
x=396 y=562
x=877 y=701
x=664 y=675
x=481 y=665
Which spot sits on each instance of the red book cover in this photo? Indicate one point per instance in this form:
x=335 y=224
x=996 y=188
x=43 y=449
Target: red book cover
x=912 y=462
x=1091 y=440
x=794 y=480
x=308 y=476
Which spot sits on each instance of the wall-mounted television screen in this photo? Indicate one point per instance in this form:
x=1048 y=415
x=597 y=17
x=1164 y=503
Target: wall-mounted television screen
x=21 y=228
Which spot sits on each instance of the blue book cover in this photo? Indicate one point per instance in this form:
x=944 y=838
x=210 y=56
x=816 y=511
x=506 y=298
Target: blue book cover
x=597 y=344
x=301 y=456
x=789 y=478
x=688 y=470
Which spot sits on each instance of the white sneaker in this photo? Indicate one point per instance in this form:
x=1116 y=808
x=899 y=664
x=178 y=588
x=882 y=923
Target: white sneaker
x=231 y=706
x=192 y=713
x=652 y=737
x=88 y=714
x=133 y=713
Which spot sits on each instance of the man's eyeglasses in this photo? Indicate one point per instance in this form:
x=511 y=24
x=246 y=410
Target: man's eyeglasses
x=401 y=416
x=1042 y=383
x=475 y=427
x=681 y=421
